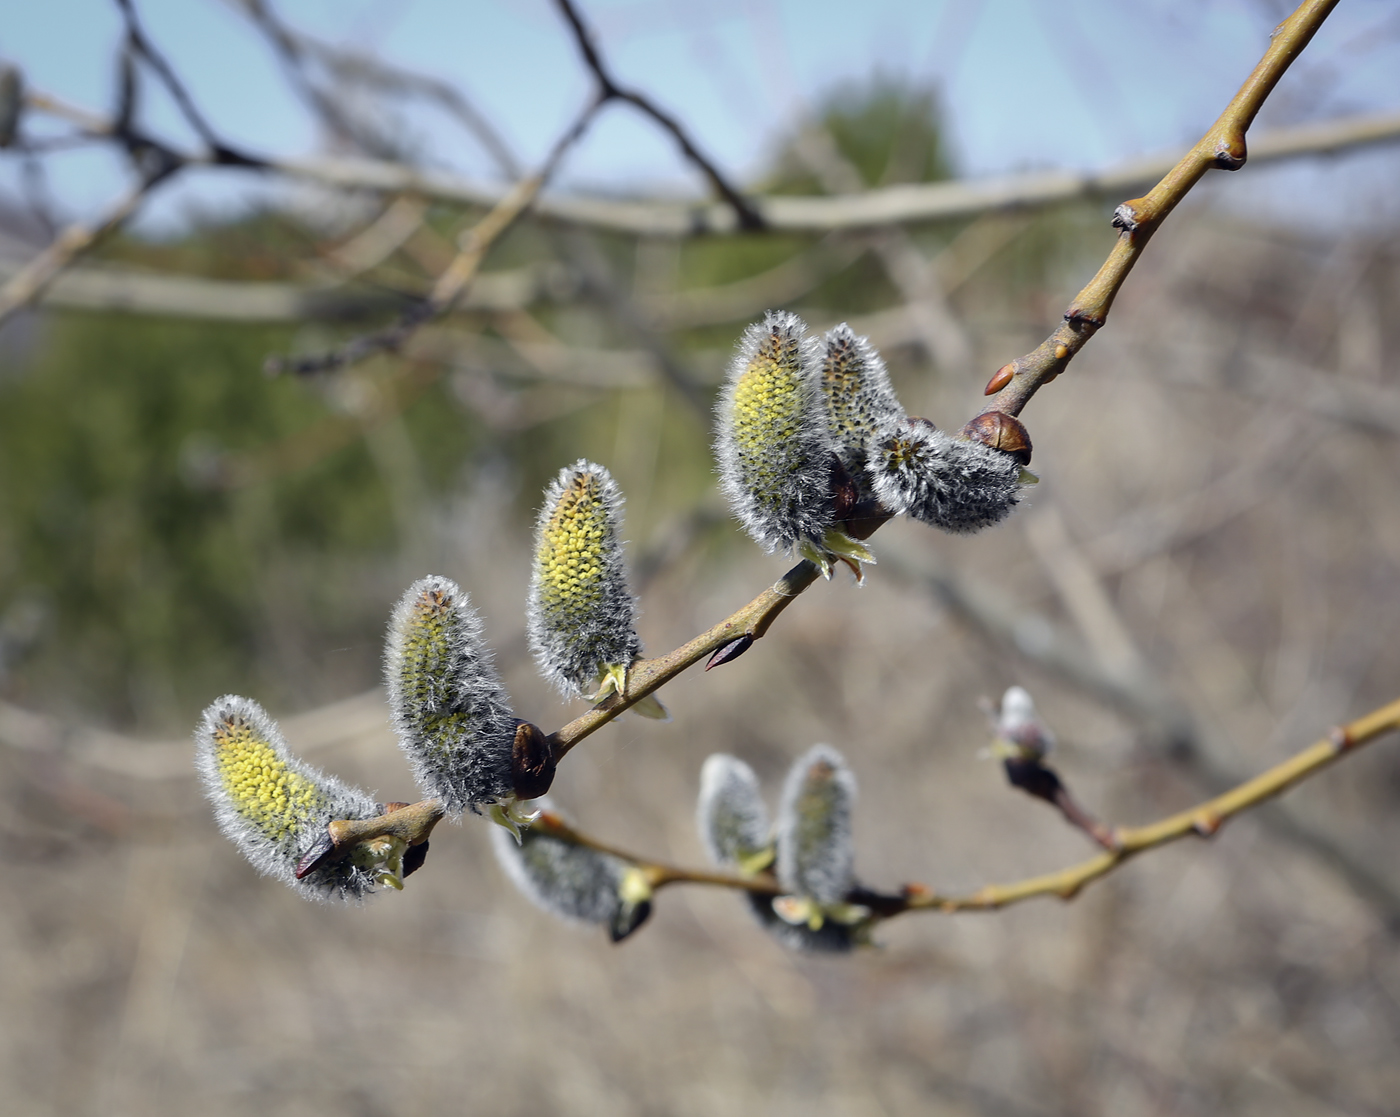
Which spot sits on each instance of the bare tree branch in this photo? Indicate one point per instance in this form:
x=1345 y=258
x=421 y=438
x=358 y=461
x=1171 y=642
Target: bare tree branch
x=609 y=90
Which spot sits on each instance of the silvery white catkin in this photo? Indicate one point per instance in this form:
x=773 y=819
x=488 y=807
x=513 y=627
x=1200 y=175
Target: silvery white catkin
x=568 y=880
x=772 y=446
x=858 y=398
x=918 y=470
x=581 y=616
x=816 y=850
x=273 y=806
x=451 y=714
x=730 y=815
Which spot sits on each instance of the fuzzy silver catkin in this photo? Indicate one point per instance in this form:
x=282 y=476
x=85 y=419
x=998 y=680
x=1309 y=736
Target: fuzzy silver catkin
x=959 y=486
x=1020 y=728
x=581 y=615
x=816 y=850
x=565 y=879
x=772 y=446
x=273 y=806
x=858 y=398
x=451 y=714
x=730 y=815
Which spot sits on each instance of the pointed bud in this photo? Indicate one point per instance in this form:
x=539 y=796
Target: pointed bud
x=772 y=447
x=858 y=398
x=918 y=470
x=450 y=712
x=573 y=881
x=732 y=819
x=581 y=616
x=275 y=807
x=815 y=846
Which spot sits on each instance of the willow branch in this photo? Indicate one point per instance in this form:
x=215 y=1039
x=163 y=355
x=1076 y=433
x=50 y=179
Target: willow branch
x=1222 y=147
x=647 y=675
x=1203 y=820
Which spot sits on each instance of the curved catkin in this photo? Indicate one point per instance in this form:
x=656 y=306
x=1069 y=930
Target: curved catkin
x=581 y=616
x=815 y=848
x=731 y=817
x=451 y=714
x=772 y=446
x=857 y=396
x=918 y=470
x=573 y=881
x=271 y=805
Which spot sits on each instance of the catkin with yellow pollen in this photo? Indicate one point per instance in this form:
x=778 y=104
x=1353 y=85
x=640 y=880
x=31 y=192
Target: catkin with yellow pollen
x=452 y=716
x=272 y=805
x=772 y=446
x=581 y=617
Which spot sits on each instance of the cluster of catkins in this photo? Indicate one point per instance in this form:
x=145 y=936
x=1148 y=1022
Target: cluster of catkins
x=807 y=857
x=814 y=450
x=813 y=445
x=451 y=714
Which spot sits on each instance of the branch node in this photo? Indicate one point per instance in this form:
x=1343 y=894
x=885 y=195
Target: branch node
x=1126 y=217
x=1341 y=739
x=1206 y=824
x=1230 y=153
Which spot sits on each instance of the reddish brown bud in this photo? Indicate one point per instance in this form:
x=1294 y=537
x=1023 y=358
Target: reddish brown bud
x=1000 y=379
x=531 y=762
x=1001 y=432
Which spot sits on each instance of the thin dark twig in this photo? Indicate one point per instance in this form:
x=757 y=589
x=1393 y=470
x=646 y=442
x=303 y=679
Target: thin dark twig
x=142 y=45
x=609 y=90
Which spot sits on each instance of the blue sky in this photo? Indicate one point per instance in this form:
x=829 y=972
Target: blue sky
x=1026 y=83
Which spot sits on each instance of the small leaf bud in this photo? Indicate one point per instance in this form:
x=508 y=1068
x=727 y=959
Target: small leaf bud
x=451 y=714
x=731 y=817
x=958 y=486
x=275 y=807
x=815 y=846
x=573 y=881
x=581 y=619
x=773 y=447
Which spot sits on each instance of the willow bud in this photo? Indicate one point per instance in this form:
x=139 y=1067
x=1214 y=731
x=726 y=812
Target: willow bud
x=731 y=817
x=581 y=619
x=773 y=447
x=451 y=714
x=573 y=881
x=815 y=846
x=1020 y=733
x=858 y=399
x=918 y=470
x=274 y=807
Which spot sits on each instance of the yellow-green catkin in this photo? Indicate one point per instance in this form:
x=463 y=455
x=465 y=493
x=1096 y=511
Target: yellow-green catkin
x=773 y=449
x=581 y=618
x=270 y=804
x=858 y=399
x=452 y=716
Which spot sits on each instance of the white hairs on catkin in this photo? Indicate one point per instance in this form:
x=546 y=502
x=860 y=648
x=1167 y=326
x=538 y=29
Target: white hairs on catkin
x=581 y=617
x=451 y=714
x=858 y=398
x=572 y=881
x=918 y=470
x=816 y=850
x=731 y=817
x=773 y=447
x=273 y=806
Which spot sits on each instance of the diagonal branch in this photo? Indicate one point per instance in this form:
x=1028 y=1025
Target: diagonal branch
x=474 y=244
x=1222 y=147
x=609 y=90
